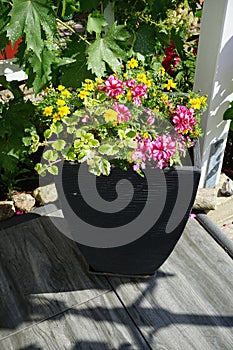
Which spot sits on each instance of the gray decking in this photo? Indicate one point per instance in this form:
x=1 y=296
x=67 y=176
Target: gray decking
x=48 y=301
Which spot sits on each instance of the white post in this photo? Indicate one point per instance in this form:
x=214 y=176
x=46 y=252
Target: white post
x=214 y=76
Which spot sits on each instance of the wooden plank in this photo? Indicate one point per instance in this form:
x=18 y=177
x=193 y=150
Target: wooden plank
x=41 y=274
x=189 y=304
x=101 y=323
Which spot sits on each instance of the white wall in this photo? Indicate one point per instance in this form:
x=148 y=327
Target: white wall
x=214 y=76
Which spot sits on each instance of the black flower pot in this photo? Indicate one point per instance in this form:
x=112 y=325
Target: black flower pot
x=169 y=194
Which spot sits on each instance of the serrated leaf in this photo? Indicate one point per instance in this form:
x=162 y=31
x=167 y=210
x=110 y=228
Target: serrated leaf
x=59 y=145
x=53 y=170
x=28 y=18
x=42 y=68
x=106 y=51
x=96 y=22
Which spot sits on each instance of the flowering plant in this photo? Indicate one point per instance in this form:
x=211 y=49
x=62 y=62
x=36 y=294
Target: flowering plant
x=135 y=117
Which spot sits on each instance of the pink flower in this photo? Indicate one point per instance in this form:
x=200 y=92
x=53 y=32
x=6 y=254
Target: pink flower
x=192 y=215
x=123 y=113
x=164 y=147
x=130 y=83
x=113 y=86
x=184 y=119
x=160 y=151
x=85 y=119
x=19 y=212
x=139 y=90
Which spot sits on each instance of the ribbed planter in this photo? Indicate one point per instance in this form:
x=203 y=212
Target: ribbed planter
x=172 y=195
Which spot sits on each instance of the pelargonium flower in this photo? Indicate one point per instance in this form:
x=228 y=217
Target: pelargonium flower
x=138 y=91
x=123 y=113
x=184 y=119
x=130 y=83
x=113 y=86
x=164 y=147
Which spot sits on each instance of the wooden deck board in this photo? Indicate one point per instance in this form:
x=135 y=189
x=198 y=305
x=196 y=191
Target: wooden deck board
x=100 y=323
x=189 y=304
x=48 y=301
x=41 y=273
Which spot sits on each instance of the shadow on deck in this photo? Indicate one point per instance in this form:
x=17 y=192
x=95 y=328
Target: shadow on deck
x=48 y=300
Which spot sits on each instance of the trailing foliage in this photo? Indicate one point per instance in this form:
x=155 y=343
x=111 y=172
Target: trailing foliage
x=144 y=28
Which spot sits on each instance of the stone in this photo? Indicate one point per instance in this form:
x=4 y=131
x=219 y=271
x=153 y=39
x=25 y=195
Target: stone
x=23 y=201
x=7 y=210
x=206 y=199
x=45 y=194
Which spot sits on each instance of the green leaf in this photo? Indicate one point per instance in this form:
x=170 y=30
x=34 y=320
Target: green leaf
x=53 y=170
x=56 y=128
x=42 y=68
x=29 y=18
x=107 y=51
x=47 y=133
x=59 y=145
x=94 y=143
x=145 y=40
x=105 y=149
x=50 y=155
x=96 y=22
x=73 y=74
x=228 y=114
x=87 y=6
x=82 y=157
x=131 y=134
x=121 y=134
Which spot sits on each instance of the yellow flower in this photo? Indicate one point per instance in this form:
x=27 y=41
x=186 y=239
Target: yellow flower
x=125 y=75
x=63 y=111
x=164 y=97
x=46 y=89
x=56 y=117
x=146 y=135
x=66 y=94
x=60 y=102
x=88 y=85
x=170 y=85
x=154 y=94
x=83 y=94
x=156 y=110
x=118 y=96
x=162 y=71
x=195 y=103
x=149 y=82
x=48 y=111
x=142 y=78
x=110 y=115
x=132 y=63
x=99 y=80
x=60 y=87
x=129 y=95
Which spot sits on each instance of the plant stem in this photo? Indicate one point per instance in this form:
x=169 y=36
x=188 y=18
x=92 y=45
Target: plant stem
x=72 y=30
